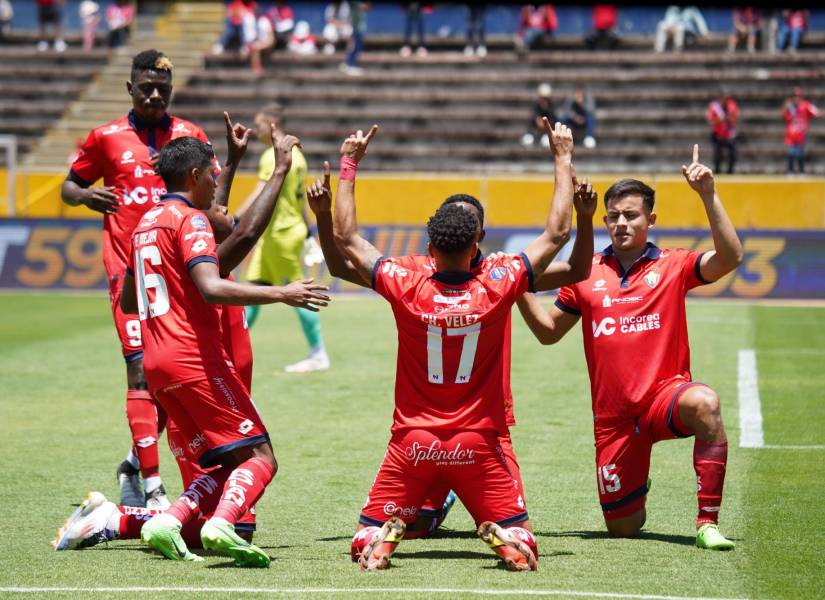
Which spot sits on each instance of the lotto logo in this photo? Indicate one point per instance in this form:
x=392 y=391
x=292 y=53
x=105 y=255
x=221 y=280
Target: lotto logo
x=391 y=269
x=607 y=326
x=146 y=442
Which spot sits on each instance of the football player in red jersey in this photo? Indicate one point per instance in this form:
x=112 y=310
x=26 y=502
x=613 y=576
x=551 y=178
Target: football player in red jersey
x=123 y=153
x=449 y=396
x=634 y=325
x=98 y=520
x=175 y=285
x=440 y=500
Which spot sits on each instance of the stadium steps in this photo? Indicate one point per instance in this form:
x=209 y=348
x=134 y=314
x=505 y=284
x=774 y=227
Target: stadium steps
x=185 y=32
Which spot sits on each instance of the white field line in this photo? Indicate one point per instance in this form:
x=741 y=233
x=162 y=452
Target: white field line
x=352 y=590
x=750 y=408
x=791 y=447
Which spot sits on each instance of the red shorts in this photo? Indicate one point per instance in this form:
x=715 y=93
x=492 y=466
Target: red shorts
x=127 y=326
x=435 y=499
x=470 y=463
x=190 y=470
x=215 y=415
x=623 y=449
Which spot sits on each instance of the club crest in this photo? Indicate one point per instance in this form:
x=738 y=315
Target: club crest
x=652 y=279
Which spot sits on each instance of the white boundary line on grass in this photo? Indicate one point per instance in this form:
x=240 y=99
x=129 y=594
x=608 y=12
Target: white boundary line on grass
x=252 y=590
x=751 y=434
x=750 y=407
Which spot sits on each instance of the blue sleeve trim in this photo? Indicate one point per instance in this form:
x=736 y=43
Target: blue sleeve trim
x=568 y=309
x=200 y=259
x=697 y=269
x=79 y=180
x=374 y=272
x=531 y=284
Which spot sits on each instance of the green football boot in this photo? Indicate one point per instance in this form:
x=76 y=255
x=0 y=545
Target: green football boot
x=709 y=538
x=219 y=535
x=162 y=532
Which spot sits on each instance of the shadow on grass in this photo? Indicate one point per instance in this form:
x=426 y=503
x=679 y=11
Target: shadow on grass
x=682 y=540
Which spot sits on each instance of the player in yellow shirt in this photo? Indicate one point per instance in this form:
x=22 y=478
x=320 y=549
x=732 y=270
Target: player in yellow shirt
x=277 y=257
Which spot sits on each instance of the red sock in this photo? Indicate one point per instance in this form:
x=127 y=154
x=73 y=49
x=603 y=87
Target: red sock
x=527 y=537
x=709 y=461
x=244 y=487
x=201 y=496
x=142 y=415
x=132 y=519
x=361 y=538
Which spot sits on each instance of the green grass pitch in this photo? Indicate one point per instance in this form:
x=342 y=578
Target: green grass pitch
x=63 y=432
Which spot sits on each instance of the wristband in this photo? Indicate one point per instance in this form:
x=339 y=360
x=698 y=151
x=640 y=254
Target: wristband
x=348 y=168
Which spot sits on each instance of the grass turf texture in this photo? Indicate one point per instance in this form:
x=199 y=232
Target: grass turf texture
x=64 y=432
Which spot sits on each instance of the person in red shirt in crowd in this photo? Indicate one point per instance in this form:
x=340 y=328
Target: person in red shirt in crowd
x=723 y=114
x=605 y=21
x=797 y=113
x=123 y=153
x=174 y=283
x=634 y=325
x=450 y=408
x=239 y=26
x=97 y=520
x=747 y=25
x=537 y=21
x=792 y=25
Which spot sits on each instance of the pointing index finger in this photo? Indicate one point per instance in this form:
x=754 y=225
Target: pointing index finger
x=696 y=153
x=326 y=174
x=371 y=133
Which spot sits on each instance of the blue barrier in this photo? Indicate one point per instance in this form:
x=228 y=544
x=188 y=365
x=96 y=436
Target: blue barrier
x=51 y=254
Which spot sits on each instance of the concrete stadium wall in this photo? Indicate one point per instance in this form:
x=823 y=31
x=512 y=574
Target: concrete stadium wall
x=405 y=199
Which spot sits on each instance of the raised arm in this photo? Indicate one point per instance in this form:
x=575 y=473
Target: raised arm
x=727 y=250
x=237 y=140
x=216 y=290
x=541 y=251
x=319 y=198
x=577 y=268
x=359 y=251
x=254 y=221
x=548 y=327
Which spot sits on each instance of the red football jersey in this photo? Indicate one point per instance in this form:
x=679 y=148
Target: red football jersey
x=120 y=152
x=634 y=325
x=181 y=331
x=451 y=339
x=236 y=342
x=478 y=265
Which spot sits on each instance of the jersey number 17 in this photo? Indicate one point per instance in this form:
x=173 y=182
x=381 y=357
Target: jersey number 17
x=435 y=359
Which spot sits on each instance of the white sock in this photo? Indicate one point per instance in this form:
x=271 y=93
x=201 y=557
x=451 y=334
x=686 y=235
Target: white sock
x=150 y=484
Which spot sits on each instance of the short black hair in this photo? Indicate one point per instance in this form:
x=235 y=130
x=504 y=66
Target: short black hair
x=631 y=187
x=151 y=60
x=179 y=157
x=467 y=198
x=274 y=110
x=452 y=229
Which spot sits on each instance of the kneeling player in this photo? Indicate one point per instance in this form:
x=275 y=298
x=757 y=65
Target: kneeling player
x=449 y=395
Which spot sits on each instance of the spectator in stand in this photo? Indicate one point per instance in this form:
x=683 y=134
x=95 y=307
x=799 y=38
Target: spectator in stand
x=6 y=16
x=50 y=15
x=542 y=108
x=264 y=42
x=358 y=16
x=120 y=16
x=723 y=114
x=605 y=21
x=680 y=24
x=302 y=40
x=579 y=114
x=90 y=18
x=475 y=30
x=538 y=21
x=798 y=113
x=283 y=22
x=747 y=25
x=338 y=25
x=792 y=25
x=238 y=13
x=414 y=19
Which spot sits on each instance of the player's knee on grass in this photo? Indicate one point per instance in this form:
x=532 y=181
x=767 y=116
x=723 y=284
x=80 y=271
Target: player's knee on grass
x=626 y=527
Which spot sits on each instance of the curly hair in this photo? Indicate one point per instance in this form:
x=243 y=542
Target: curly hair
x=151 y=60
x=452 y=229
x=179 y=157
x=467 y=199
